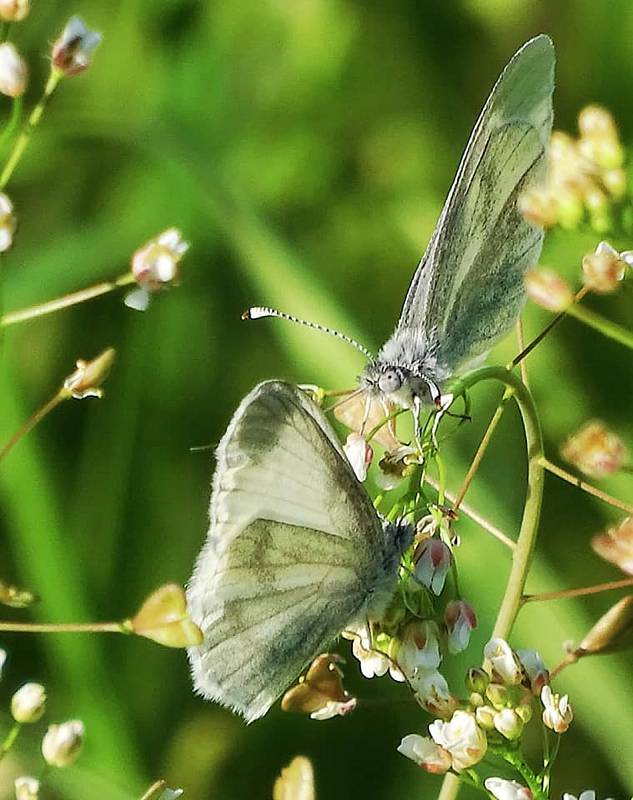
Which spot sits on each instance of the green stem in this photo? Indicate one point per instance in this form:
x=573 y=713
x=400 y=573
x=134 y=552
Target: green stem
x=514 y=759
x=586 y=487
x=154 y=791
x=9 y=740
x=12 y=122
x=604 y=326
x=32 y=421
x=67 y=627
x=31 y=123
x=67 y=300
x=522 y=554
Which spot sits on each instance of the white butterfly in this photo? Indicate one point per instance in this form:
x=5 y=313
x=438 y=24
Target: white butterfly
x=295 y=552
x=467 y=291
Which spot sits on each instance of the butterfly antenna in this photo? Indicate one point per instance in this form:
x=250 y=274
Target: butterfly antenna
x=259 y=312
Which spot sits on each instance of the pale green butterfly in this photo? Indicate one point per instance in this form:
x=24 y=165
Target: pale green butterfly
x=468 y=291
x=295 y=551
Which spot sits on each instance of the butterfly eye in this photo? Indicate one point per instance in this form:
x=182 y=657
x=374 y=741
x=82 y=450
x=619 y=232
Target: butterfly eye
x=389 y=382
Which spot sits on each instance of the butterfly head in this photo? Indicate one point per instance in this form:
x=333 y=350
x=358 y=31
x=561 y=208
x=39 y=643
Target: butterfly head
x=401 y=385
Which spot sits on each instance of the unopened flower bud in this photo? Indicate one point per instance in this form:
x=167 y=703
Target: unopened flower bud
x=548 y=289
x=524 y=711
x=536 y=674
x=28 y=703
x=26 y=788
x=477 y=680
x=86 y=380
x=499 y=695
x=557 y=713
x=603 y=270
x=155 y=264
x=164 y=618
x=508 y=723
x=73 y=50
x=460 y=620
x=62 y=743
x=616 y=545
x=502 y=789
x=432 y=562
x=538 y=206
x=13 y=71
x=359 y=454
x=296 y=781
x=612 y=632
x=485 y=716
x=614 y=181
x=14 y=10
x=8 y=223
x=502 y=662
x=595 y=450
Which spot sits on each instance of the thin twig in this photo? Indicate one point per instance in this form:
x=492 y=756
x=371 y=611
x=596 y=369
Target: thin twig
x=65 y=627
x=563 y=594
x=586 y=487
x=32 y=421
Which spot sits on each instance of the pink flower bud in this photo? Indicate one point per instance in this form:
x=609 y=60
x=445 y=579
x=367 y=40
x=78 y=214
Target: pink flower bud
x=460 y=620
x=433 y=561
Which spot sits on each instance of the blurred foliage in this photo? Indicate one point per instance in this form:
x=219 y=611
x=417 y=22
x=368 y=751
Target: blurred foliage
x=304 y=147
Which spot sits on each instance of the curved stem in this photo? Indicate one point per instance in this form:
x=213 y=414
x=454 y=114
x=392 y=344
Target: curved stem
x=526 y=540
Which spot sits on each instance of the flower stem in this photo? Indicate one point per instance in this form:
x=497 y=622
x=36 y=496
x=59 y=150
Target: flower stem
x=23 y=139
x=12 y=122
x=67 y=300
x=67 y=627
x=529 y=776
x=154 y=791
x=604 y=326
x=9 y=739
x=586 y=487
x=563 y=594
x=61 y=395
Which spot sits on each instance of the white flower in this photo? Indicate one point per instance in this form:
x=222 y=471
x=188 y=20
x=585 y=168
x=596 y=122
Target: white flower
x=359 y=454
x=426 y=753
x=3 y=658
x=535 y=670
x=61 y=743
x=73 y=50
x=463 y=739
x=558 y=712
x=431 y=691
x=13 y=71
x=433 y=561
x=588 y=794
x=28 y=703
x=334 y=708
x=373 y=663
x=420 y=648
x=8 y=223
x=460 y=620
x=26 y=788
x=503 y=663
x=507 y=790
x=508 y=723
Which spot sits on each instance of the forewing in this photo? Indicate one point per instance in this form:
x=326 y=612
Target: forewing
x=505 y=154
x=293 y=552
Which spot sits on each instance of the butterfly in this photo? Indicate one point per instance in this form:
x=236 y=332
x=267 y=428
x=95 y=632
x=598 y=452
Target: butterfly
x=468 y=291
x=295 y=553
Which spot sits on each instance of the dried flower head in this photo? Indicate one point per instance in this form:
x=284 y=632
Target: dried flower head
x=603 y=269
x=28 y=703
x=164 y=618
x=296 y=781
x=73 y=50
x=8 y=223
x=26 y=788
x=595 y=450
x=320 y=693
x=548 y=289
x=13 y=71
x=86 y=380
x=62 y=743
x=14 y=10
x=616 y=545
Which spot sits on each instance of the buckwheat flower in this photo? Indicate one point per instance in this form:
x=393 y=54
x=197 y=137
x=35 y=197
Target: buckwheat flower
x=8 y=223
x=502 y=789
x=3 y=659
x=426 y=753
x=86 y=380
x=603 y=269
x=14 y=10
x=485 y=716
x=502 y=662
x=462 y=737
x=26 y=788
x=73 y=50
x=548 y=289
x=359 y=454
x=595 y=450
x=432 y=693
x=164 y=618
x=28 y=703
x=432 y=563
x=536 y=673
x=588 y=794
x=420 y=647
x=460 y=620
x=557 y=713
x=62 y=743
x=616 y=545
x=508 y=723
x=13 y=71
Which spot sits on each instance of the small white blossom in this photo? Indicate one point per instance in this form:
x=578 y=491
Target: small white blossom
x=420 y=647
x=73 y=49
x=26 y=788
x=502 y=662
x=558 y=712
x=462 y=737
x=359 y=454
x=508 y=723
x=372 y=662
x=433 y=561
x=28 y=703
x=502 y=789
x=334 y=709
x=62 y=743
x=13 y=71
x=460 y=620
x=3 y=658
x=426 y=753
x=8 y=223
x=431 y=691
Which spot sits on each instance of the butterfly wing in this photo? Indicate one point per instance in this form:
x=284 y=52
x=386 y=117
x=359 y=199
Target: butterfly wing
x=468 y=289
x=294 y=550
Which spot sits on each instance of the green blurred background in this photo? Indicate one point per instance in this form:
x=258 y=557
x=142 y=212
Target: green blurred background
x=304 y=147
